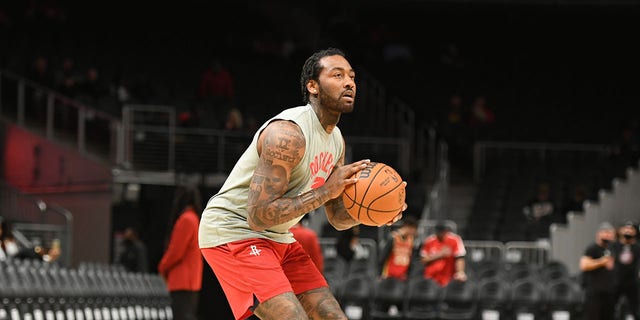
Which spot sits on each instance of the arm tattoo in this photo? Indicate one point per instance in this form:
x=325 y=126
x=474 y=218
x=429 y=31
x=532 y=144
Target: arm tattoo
x=338 y=215
x=282 y=146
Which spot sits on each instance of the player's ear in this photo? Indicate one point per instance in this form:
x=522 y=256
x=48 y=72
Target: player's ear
x=312 y=87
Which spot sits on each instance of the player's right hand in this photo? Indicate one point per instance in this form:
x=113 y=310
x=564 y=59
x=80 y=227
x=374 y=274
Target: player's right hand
x=343 y=176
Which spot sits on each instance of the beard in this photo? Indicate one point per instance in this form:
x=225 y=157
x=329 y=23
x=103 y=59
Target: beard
x=335 y=104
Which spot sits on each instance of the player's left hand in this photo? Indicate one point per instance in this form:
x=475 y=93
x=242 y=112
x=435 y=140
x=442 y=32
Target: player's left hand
x=404 y=207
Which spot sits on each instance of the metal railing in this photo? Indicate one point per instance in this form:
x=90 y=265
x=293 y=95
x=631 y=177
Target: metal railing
x=484 y=250
x=435 y=208
x=329 y=249
x=147 y=139
x=154 y=143
x=59 y=118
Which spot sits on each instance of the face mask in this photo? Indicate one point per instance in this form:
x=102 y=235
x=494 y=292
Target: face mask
x=627 y=236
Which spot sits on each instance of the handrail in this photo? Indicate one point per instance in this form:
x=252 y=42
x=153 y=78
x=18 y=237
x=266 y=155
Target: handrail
x=52 y=102
x=26 y=208
x=74 y=103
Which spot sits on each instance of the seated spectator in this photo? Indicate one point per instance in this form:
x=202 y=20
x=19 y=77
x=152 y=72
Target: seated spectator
x=215 y=93
x=216 y=82
x=396 y=256
x=66 y=78
x=134 y=252
x=576 y=202
x=481 y=118
x=233 y=121
x=540 y=213
x=443 y=256
x=40 y=72
x=8 y=245
x=91 y=88
x=10 y=249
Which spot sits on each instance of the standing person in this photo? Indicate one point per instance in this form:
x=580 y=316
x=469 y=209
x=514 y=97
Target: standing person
x=396 y=256
x=294 y=165
x=181 y=265
x=443 y=255
x=597 y=267
x=627 y=265
x=308 y=238
x=134 y=252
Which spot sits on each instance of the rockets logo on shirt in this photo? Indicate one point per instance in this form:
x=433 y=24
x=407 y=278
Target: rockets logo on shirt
x=321 y=168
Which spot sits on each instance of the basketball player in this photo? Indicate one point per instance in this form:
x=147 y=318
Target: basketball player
x=294 y=165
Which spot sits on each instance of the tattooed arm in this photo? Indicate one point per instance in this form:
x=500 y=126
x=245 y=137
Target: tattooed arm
x=281 y=146
x=336 y=212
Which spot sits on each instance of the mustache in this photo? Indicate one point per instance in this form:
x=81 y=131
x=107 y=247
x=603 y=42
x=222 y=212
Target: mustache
x=349 y=92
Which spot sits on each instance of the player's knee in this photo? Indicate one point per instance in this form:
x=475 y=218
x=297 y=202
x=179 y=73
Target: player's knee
x=283 y=306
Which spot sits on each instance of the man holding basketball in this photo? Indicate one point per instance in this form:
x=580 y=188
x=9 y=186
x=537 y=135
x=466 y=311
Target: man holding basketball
x=294 y=165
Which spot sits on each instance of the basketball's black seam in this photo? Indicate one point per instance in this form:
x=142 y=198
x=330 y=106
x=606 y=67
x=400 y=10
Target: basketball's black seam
x=382 y=195
x=371 y=180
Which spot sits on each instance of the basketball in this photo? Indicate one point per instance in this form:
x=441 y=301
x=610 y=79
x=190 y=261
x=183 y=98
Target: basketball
x=377 y=197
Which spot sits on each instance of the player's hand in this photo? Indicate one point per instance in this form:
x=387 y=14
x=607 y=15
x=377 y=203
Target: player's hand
x=608 y=262
x=404 y=207
x=460 y=276
x=343 y=176
x=395 y=219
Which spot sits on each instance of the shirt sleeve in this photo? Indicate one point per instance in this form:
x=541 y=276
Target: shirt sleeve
x=459 y=249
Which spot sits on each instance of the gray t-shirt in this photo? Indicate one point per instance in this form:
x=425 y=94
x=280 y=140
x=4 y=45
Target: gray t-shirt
x=224 y=219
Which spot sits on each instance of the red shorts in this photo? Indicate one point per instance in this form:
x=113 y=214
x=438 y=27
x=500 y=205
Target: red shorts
x=261 y=268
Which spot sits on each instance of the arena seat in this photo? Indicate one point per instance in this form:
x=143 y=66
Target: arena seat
x=423 y=299
x=459 y=300
x=355 y=296
x=388 y=299
x=562 y=299
x=526 y=298
x=335 y=267
x=494 y=298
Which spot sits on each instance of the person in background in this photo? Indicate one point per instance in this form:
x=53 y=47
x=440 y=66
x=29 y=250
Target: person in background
x=10 y=249
x=443 y=255
x=597 y=266
x=215 y=92
x=626 y=266
x=540 y=213
x=134 y=252
x=348 y=245
x=181 y=265
x=8 y=246
x=396 y=256
x=308 y=238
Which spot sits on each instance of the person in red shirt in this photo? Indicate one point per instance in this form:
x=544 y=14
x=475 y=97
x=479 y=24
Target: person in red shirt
x=216 y=81
x=395 y=257
x=181 y=265
x=309 y=241
x=443 y=256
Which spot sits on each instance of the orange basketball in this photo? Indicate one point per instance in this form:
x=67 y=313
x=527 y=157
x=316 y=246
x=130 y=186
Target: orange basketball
x=377 y=197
